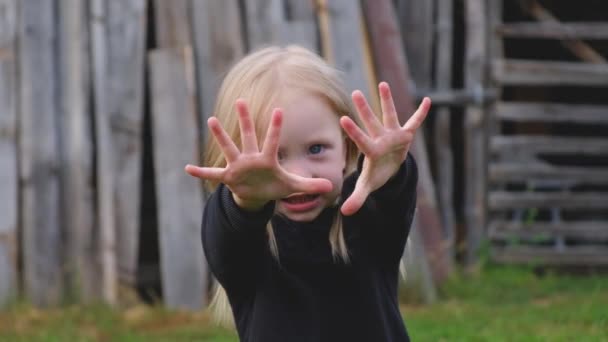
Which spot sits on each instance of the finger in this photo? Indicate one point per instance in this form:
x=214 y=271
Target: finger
x=418 y=117
x=369 y=119
x=231 y=152
x=389 y=113
x=209 y=173
x=249 y=140
x=355 y=201
x=355 y=133
x=271 y=142
x=308 y=185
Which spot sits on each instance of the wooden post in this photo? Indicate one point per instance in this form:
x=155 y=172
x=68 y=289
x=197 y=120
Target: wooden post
x=122 y=86
x=39 y=154
x=474 y=125
x=180 y=198
x=392 y=67
x=106 y=245
x=8 y=150
x=80 y=265
x=443 y=122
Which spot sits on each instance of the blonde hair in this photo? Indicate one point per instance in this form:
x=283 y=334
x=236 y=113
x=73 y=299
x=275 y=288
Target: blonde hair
x=261 y=78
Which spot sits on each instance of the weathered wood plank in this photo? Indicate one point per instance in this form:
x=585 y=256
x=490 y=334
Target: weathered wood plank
x=573 y=256
x=566 y=200
x=528 y=72
x=416 y=18
x=528 y=145
x=475 y=127
x=551 y=112
x=106 y=243
x=555 y=30
x=593 y=230
x=342 y=42
x=391 y=62
x=180 y=201
x=265 y=20
x=8 y=151
x=217 y=46
x=39 y=154
x=125 y=58
x=77 y=152
x=442 y=134
x=522 y=172
x=172 y=21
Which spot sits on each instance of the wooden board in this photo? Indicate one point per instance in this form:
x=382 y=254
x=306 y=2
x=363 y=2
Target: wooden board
x=523 y=172
x=125 y=57
x=172 y=23
x=39 y=154
x=8 y=151
x=555 y=30
x=529 y=145
x=527 y=72
x=216 y=48
x=574 y=256
x=590 y=230
x=475 y=127
x=77 y=193
x=179 y=201
x=551 y=112
x=566 y=200
x=264 y=22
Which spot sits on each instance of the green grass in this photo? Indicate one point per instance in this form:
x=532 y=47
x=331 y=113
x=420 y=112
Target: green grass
x=498 y=304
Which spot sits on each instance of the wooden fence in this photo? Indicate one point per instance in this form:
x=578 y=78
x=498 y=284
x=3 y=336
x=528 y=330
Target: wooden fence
x=83 y=82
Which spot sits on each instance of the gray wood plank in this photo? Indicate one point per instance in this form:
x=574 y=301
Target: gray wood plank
x=106 y=239
x=77 y=152
x=343 y=44
x=301 y=25
x=475 y=127
x=528 y=72
x=523 y=172
x=41 y=221
x=574 y=256
x=125 y=58
x=591 y=230
x=216 y=48
x=8 y=151
x=180 y=197
x=551 y=112
x=416 y=18
x=265 y=21
x=566 y=200
x=442 y=135
x=529 y=145
x=555 y=30
x=172 y=22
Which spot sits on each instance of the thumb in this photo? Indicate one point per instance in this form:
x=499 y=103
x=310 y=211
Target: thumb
x=355 y=201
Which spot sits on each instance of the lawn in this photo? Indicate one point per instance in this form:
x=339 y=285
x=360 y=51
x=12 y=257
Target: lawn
x=497 y=304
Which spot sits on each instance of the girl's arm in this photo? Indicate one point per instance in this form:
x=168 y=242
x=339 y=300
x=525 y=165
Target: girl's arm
x=234 y=239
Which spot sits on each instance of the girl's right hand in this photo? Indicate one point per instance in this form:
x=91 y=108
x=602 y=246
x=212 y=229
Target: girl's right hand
x=255 y=177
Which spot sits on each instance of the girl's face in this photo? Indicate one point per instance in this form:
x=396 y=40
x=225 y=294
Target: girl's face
x=311 y=145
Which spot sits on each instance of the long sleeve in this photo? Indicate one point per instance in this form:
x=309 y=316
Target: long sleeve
x=234 y=240
x=389 y=210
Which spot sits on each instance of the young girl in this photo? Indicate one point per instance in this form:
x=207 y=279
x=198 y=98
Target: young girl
x=305 y=236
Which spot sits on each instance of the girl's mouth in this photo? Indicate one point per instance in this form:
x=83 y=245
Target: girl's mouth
x=301 y=202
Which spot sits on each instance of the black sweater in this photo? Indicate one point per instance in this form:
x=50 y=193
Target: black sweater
x=308 y=295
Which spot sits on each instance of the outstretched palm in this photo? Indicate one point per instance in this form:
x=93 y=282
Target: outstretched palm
x=254 y=176
x=385 y=145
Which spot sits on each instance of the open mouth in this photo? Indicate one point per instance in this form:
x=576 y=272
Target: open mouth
x=301 y=202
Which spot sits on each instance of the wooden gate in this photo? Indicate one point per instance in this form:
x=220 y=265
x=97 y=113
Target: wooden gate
x=547 y=137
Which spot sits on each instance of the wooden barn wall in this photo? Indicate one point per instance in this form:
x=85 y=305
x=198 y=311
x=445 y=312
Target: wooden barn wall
x=102 y=103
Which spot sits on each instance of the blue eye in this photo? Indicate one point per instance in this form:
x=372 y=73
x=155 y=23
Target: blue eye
x=315 y=149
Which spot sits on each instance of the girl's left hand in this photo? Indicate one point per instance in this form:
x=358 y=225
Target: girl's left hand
x=385 y=145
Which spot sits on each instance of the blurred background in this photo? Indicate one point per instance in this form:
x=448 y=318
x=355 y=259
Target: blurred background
x=103 y=102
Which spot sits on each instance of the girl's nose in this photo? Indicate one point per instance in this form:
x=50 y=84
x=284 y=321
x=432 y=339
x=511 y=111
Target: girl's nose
x=297 y=167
